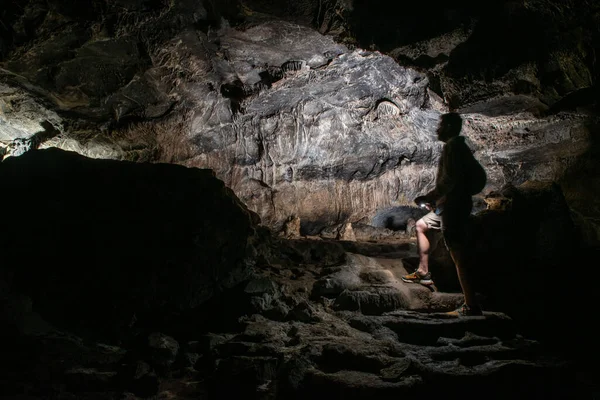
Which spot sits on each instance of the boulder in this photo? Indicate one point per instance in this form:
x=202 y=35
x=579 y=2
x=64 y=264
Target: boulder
x=525 y=257
x=107 y=244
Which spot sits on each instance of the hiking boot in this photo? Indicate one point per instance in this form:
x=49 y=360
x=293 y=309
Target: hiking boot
x=415 y=277
x=466 y=311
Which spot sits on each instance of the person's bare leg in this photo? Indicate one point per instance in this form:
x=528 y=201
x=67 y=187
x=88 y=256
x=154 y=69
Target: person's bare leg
x=462 y=268
x=423 y=247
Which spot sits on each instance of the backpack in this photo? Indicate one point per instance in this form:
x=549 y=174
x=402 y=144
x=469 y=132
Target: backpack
x=477 y=177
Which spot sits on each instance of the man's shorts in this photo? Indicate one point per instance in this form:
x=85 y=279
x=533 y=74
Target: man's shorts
x=432 y=220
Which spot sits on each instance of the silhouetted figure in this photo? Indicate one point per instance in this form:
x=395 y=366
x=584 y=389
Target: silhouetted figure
x=459 y=177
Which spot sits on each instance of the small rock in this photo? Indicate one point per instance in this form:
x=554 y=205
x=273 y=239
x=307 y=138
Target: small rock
x=89 y=379
x=193 y=346
x=278 y=312
x=190 y=359
x=291 y=229
x=164 y=349
x=346 y=233
x=469 y=340
x=260 y=286
x=303 y=312
x=208 y=343
x=395 y=372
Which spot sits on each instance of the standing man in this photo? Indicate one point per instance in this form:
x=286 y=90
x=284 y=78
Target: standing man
x=450 y=204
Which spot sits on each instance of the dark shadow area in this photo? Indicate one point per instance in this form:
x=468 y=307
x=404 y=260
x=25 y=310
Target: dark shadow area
x=531 y=262
x=527 y=263
x=504 y=39
x=397 y=218
x=390 y=24
x=316 y=226
x=586 y=98
x=514 y=382
x=217 y=11
x=298 y=11
x=581 y=180
x=105 y=247
x=8 y=16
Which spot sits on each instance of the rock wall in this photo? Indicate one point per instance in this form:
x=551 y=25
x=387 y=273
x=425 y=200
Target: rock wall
x=295 y=122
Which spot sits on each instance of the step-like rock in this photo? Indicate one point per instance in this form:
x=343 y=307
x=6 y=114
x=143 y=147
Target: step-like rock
x=427 y=329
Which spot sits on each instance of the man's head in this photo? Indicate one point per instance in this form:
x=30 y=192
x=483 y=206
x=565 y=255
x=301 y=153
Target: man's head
x=450 y=126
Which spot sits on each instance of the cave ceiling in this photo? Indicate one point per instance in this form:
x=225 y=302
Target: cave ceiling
x=320 y=109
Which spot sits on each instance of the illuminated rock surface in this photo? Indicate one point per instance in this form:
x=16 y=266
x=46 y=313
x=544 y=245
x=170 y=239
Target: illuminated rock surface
x=296 y=123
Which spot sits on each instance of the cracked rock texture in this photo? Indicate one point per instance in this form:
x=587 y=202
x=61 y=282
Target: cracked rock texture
x=298 y=124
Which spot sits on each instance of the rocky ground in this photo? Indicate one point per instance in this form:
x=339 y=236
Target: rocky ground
x=323 y=320
x=123 y=280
